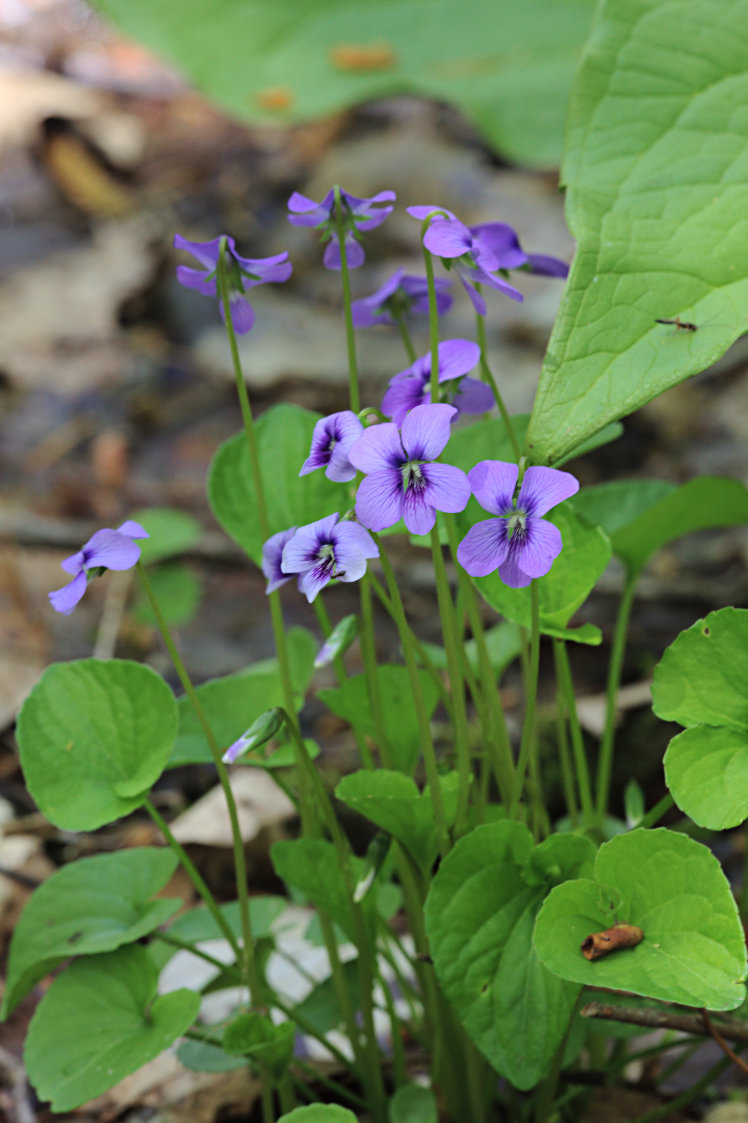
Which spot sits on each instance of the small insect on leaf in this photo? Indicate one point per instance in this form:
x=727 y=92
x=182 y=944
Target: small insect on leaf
x=612 y=939
x=680 y=325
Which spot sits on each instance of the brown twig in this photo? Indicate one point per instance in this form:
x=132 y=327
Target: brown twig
x=734 y=1028
x=713 y=1032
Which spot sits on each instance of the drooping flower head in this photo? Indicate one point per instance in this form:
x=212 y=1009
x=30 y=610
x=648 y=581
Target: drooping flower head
x=474 y=263
x=331 y=440
x=326 y=550
x=501 y=240
x=519 y=543
x=401 y=296
x=243 y=273
x=272 y=552
x=106 y=549
x=412 y=387
x=358 y=215
x=401 y=479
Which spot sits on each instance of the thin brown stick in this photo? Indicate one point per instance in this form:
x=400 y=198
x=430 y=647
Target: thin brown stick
x=695 y=1024
x=713 y=1032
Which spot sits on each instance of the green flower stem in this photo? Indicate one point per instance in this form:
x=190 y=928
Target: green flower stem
x=369 y=655
x=564 y=757
x=566 y=690
x=276 y=612
x=309 y=1029
x=345 y=277
x=480 y=331
x=410 y=350
x=451 y=639
x=342 y=676
x=193 y=949
x=433 y=325
x=316 y=1076
x=528 y=730
x=287 y=1093
x=398 y=1049
x=615 y=667
x=655 y=813
x=423 y=656
x=251 y=973
x=427 y=743
x=196 y=878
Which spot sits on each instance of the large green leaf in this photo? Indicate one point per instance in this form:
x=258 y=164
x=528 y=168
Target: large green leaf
x=87 y=907
x=656 y=166
x=508 y=66
x=94 y=737
x=99 y=1021
x=702 y=682
x=284 y=436
x=480 y=913
x=673 y=888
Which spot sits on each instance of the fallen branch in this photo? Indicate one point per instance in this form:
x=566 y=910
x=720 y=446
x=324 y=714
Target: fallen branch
x=734 y=1028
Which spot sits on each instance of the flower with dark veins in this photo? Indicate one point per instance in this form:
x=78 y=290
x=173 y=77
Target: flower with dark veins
x=501 y=240
x=331 y=440
x=448 y=238
x=358 y=215
x=402 y=295
x=326 y=550
x=106 y=549
x=519 y=542
x=412 y=387
x=272 y=552
x=402 y=480
x=242 y=272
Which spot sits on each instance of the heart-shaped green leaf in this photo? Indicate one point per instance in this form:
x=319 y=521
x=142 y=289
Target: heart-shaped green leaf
x=673 y=888
x=99 y=1021
x=284 y=437
x=85 y=908
x=94 y=737
x=480 y=913
x=655 y=171
x=319 y=1113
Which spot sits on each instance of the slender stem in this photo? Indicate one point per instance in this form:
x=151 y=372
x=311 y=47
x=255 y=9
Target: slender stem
x=350 y=333
x=433 y=325
x=566 y=689
x=429 y=755
x=528 y=729
x=342 y=676
x=194 y=949
x=480 y=330
x=672 y=1107
x=410 y=350
x=196 y=878
x=655 y=813
x=605 y=758
x=316 y=1076
x=251 y=973
x=564 y=756
x=369 y=655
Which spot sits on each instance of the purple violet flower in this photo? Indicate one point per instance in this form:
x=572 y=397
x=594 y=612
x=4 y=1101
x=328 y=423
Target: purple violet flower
x=364 y=214
x=412 y=387
x=519 y=543
x=401 y=295
x=272 y=552
x=331 y=439
x=474 y=263
x=401 y=480
x=325 y=550
x=106 y=549
x=243 y=273
x=502 y=241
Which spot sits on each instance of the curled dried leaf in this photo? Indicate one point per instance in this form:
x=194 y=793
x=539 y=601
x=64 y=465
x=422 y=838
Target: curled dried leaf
x=612 y=939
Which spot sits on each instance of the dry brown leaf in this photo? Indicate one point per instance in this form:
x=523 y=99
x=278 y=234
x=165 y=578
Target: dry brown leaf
x=260 y=803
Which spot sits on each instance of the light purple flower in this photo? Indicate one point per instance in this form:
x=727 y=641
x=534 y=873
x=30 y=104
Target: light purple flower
x=412 y=387
x=327 y=550
x=401 y=295
x=519 y=543
x=243 y=273
x=401 y=480
x=331 y=439
x=272 y=552
x=501 y=240
x=474 y=263
x=106 y=549
x=358 y=214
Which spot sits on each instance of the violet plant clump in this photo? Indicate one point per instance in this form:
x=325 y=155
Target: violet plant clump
x=459 y=924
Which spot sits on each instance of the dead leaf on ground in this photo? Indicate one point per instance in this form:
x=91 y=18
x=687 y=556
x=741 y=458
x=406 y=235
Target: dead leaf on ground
x=259 y=801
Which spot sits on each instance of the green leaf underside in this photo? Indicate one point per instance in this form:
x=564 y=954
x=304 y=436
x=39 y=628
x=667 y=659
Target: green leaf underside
x=202 y=1056
x=673 y=888
x=393 y=802
x=233 y=702
x=113 y=1024
x=284 y=437
x=703 y=676
x=351 y=702
x=94 y=736
x=479 y=919
x=656 y=167
x=91 y=906
x=502 y=642
x=508 y=68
